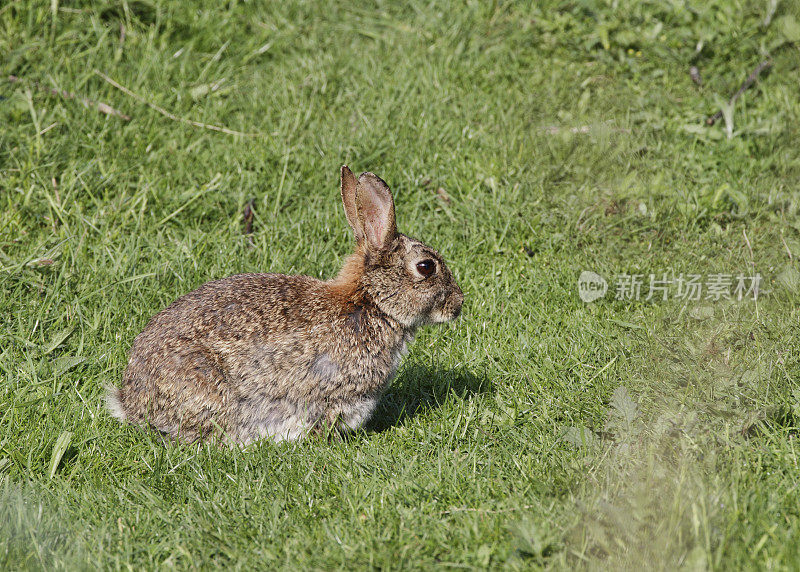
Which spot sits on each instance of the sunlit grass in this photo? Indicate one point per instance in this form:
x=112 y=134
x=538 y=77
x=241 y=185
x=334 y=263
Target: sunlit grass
x=526 y=143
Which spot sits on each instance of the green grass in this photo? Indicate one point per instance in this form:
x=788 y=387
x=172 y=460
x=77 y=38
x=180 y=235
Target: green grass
x=507 y=439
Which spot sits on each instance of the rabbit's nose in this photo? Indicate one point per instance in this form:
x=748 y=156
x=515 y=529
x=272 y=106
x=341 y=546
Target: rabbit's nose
x=457 y=302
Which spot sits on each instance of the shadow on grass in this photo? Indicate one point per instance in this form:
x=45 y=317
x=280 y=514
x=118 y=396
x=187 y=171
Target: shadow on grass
x=419 y=389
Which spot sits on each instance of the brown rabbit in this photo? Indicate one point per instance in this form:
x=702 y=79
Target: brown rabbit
x=268 y=355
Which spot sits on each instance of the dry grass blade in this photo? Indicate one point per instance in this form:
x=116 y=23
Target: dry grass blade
x=247 y=215
x=694 y=73
x=98 y=105
x=751 y=79
x=169 y=115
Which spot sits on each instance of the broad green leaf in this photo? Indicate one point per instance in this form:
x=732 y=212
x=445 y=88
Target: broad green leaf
x=57 y=340
x=58 y=451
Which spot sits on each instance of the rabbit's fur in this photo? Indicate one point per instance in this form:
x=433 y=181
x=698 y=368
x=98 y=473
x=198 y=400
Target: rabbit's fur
x=268 y=355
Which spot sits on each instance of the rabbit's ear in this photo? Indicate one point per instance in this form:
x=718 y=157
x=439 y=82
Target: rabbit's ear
x=349 y=185
x=375 y=208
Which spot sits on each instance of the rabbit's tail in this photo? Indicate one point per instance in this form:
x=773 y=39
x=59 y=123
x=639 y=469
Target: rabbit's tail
x=114 y=403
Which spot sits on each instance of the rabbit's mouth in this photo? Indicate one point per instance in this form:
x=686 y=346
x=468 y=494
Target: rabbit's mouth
x=450 y=309
x=441 y=317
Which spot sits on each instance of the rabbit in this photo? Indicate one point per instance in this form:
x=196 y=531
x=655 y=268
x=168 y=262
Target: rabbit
x=257 y=356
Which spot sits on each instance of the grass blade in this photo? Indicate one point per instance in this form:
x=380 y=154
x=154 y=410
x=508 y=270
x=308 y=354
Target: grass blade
x=59 y=449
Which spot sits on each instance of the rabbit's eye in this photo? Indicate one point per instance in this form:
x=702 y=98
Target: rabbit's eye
x=426 y=267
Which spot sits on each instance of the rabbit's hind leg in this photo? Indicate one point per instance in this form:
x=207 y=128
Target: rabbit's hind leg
x=183 y=397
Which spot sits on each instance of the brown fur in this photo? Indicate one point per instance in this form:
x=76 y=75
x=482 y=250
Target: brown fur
x=269 y=355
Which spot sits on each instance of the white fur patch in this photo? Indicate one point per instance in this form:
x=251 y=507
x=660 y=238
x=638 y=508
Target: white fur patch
x=289 y=429
x=324 y=367
x=438 y=317
x=113 y=403
x=356 y=415
x=401 y=351
x=279 y=421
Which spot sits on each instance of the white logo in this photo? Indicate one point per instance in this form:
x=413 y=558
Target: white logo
x=591 y=286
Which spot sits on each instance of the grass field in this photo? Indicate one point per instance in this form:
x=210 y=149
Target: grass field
x=527 y=143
